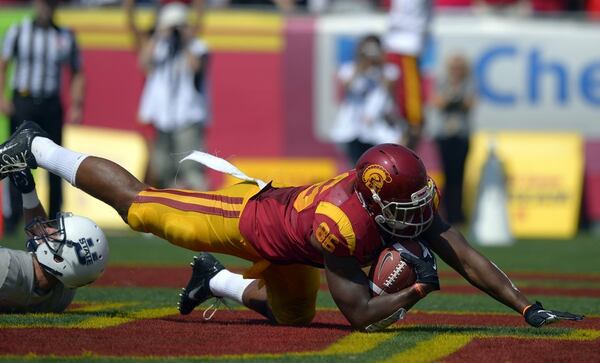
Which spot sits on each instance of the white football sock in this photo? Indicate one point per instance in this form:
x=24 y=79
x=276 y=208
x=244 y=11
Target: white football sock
x=56 y=159
x=229 y=285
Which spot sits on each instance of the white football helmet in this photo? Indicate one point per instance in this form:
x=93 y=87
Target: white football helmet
x=72 y=248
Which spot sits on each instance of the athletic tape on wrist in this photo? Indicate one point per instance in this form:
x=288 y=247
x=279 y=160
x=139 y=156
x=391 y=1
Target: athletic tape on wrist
x=30 y=200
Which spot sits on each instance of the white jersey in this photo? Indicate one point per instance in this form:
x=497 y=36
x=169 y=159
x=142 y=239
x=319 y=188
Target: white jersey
x=361 y=114
x=408 y=26
x=171 y=98
x=17 y=286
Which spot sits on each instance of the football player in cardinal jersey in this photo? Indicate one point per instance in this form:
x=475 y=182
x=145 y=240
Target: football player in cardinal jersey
x=340 y=225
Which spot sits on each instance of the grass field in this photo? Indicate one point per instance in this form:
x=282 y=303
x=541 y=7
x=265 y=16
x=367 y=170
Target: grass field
x=130 y=315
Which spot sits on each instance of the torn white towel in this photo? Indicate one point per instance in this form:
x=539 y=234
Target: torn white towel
x=222 y=165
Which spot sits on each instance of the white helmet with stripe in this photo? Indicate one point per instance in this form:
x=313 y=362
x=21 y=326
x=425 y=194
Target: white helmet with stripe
x=72 y=248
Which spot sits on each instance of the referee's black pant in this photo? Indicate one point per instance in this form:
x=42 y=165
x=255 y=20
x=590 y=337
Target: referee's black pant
x=48 y=113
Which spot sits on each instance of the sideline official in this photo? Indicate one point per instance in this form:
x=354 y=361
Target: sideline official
x=39 y=49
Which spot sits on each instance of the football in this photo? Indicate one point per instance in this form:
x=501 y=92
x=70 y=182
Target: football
x=389 y=273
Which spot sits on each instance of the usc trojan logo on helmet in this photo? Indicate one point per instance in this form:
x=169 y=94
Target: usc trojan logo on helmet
x=374 y=176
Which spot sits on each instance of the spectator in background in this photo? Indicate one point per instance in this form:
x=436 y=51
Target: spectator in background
x=140 y=36
x=39 y=49
x=408 y=29
x=454 y=98
x=174 y=99
x=365 y=116
x=197 y=8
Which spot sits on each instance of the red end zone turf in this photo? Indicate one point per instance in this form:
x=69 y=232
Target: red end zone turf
x=526 y=350
x=229 y=332
x=244 y=332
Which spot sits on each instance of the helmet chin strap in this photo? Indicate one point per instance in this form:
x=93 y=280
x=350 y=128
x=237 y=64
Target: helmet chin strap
x=377 y=200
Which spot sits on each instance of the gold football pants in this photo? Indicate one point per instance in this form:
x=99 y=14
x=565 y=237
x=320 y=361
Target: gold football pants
x=209 y=221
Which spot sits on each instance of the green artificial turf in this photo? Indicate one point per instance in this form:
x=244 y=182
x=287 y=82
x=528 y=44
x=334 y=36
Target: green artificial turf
x=578 y=255
x=554 y=258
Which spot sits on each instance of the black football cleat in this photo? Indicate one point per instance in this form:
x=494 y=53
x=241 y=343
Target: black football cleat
x=197 y=291
x=15 y=153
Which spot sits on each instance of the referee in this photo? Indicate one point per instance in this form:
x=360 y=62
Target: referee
x=39 y=49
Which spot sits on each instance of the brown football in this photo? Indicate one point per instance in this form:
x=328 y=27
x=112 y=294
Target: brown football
x=389 y=273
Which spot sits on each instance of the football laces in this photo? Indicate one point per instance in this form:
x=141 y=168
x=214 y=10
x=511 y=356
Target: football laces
x=395 y=273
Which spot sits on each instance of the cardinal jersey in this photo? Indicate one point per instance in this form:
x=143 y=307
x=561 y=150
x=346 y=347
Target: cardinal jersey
x=271 y=228
x=279 y=222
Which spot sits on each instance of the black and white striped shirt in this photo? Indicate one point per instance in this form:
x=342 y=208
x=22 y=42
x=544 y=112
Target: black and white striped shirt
x=39 y=54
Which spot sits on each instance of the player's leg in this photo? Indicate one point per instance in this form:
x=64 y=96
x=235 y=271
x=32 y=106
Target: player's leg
x=291 y=292
x=252 y=293
x=211 y=279
x=199 y=221
x=106 y=181
x=103 y=179
x=286 y=295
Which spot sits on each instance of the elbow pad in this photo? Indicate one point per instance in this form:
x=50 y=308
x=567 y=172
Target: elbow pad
x=384 y=323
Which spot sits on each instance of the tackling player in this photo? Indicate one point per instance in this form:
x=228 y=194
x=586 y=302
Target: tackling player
x=63 y=254
x=340 y=224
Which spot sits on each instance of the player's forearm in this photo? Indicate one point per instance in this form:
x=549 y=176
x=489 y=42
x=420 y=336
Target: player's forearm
x=194 y=62
x=354 y=300
x=30 y=214
x=378 y=308
x=32 y=208
x=198 y=7
x=136 y=33
x=145 y=54
x=129 y=8
x=349 y=287
x=485 y=275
